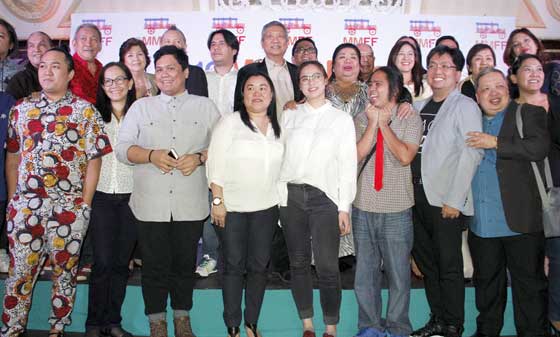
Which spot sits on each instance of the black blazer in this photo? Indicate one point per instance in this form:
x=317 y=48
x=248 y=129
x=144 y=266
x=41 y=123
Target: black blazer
x=518 y=187
x=196 y=83
x=261 y=66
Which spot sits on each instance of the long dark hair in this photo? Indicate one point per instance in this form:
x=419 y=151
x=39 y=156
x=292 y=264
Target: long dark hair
x=509 y=55
x=103 y=102
x=417 y=70
x=396 y=84
x=335 y=54
x=270 y=111
x=416 y=47
x=514 y=88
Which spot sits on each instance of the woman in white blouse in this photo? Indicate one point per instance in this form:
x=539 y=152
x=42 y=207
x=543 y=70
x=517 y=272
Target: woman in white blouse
x=317 y=186
x=243 y=166
x=112 y=225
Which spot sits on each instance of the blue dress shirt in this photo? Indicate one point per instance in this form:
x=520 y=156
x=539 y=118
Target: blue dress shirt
x=489 y=219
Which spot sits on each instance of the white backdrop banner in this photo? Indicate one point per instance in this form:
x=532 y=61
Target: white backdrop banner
x=327 y=29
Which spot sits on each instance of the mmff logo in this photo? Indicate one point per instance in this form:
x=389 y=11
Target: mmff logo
x=103 y=26
x=151 y=25
x=355 y=25
x=417 y=27
x=228 y=23
x=490 y=28
x=292 y=24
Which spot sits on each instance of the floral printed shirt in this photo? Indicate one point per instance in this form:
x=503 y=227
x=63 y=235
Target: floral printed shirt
x=55 y=141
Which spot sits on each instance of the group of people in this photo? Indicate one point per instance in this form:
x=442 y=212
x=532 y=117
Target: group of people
x=304 y=169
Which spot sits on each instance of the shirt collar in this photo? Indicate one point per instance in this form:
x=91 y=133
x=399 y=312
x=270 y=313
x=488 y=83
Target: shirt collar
x=320 y=109
x=179 y=97
x=80 y=61
x=271 y=64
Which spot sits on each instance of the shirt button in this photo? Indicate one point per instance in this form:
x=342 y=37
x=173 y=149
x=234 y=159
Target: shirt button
x=173 y=137
x=170 y=192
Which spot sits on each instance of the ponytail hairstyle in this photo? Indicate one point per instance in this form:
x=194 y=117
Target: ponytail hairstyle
x=397 y=92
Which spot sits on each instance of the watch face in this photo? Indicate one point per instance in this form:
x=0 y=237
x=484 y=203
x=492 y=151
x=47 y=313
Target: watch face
x=217 y=201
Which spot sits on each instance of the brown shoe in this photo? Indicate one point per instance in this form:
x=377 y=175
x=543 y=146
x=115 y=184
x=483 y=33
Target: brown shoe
x=158 y=329
x=183 y=327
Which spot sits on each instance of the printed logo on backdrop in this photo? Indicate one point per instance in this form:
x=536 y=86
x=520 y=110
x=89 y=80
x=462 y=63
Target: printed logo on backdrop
x=153 y=26
x=105 y=28
x=233 y=25
x=360 y=31
x=492 y=34
x=297 y=29
x=426 y=32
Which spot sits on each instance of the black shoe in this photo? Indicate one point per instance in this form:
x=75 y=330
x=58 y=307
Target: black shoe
x=233 y=331
x=454 y=331
x=116 y=331
x=95 y=332
x=478 y=334
x=433 y=327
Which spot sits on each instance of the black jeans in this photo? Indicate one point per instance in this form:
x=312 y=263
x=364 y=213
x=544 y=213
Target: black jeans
x=311 y=215
x=523 y=256
x=168 y=263
x=246 y=242
x=113 y=234
x=437 y=252
x=3 y=233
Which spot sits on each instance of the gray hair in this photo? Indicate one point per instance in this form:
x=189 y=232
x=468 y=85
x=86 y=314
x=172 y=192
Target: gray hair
x=274 y=24
x=174 y=28
x=486 y=71
x=90 y=26
x=45 y=35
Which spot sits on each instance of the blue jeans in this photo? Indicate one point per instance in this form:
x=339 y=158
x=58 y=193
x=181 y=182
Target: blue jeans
x=553 y=253
x=210 y=243
x=383 y=238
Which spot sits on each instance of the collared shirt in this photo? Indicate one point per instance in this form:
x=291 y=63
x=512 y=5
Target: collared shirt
x=221 y=89
x=184 y=123
x=397 y=193
x=84 y=84
x=355 y=105
x=24 y=82
x=245 y=163
x=489 y=217
x=115 y=177
x=283 y=86
x=8 y=68
x=6 y=103
x=55 y=141
x=320 y=150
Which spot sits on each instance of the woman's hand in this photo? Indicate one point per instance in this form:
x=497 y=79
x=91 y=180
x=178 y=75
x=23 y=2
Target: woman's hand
x=405 y=110
x=481 y=140
x=344 y=223
x=218 y=215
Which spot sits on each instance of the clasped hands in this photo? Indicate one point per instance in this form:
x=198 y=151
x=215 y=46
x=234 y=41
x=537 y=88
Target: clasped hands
x=186 y=163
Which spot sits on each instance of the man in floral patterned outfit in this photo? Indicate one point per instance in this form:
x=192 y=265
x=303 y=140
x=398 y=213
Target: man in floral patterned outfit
x=54 y=146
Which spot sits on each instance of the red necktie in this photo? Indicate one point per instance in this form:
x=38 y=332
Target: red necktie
x=378 y=178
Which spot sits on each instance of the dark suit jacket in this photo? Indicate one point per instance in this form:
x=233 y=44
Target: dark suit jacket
x=261 y=66
x=518 y=187
x=196 y=83
x=23 y=83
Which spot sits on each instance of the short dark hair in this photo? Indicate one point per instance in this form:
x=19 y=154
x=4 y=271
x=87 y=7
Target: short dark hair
x=475 y=49
x=397 y=91
x=270 y=111
x=103 y=102
x=300 y=40
x=455 y=54
x=417 y=69
x=11 y=34
x=338 y=49
x=309 y=63
x=67 y=57
x=509 y=56
x=44 y=35
x=133 y=42
x=230 y=39
x=447 y=37
x=179 y=55
x=519 y=61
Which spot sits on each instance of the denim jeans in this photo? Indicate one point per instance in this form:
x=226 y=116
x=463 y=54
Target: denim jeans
x=312 y=216
x=383 y=239
x=553 y=253
x=210 y=243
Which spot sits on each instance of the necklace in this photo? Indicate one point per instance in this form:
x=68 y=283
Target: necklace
x=347 y=93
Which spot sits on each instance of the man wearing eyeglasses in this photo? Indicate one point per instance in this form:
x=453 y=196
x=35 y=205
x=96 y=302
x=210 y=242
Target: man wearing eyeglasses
x=304 y=50
x=442 y=173
x=53 y=162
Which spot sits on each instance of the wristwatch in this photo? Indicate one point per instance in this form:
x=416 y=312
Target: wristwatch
x=217 y=201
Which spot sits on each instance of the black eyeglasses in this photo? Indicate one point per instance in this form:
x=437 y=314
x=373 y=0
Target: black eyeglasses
x=309 y=50
x=118 y=80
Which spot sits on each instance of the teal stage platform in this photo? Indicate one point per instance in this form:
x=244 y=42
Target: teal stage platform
x=278 y=316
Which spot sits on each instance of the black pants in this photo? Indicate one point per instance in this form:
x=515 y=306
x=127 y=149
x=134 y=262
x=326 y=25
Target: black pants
x=3 y=233
x=113 y=234
x=311 y=215
x=437 y=252
x=246 y=242
x=168 y=263
x=523 y=256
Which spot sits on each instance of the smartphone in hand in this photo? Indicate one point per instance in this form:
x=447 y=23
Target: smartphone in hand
x=173 y=154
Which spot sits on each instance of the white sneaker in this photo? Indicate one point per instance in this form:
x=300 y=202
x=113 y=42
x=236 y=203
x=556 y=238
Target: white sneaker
x=207 y=266
x=4 y=261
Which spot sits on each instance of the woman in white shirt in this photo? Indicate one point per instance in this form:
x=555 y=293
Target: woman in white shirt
x=112 y=225
x=243 y=166
x=404 y=57
x=317 y=186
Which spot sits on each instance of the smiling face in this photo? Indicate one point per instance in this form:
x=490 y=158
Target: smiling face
x=116 y=84
x=135 y=59
x=529 y=77
x=257 y=94
x=378 y=90
x=492 y=93
x=87 y=44
x=37 y=45
x=173 y=38
x=523 y=44
x=404 y=60
x=53 y=74
x=346 y=65
x=170 y=78
x=305 y=51
x=482 y=59
x=367 y=60
x=442 y=73
x=274 y=42
x=312 y=82
x=220 y=52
